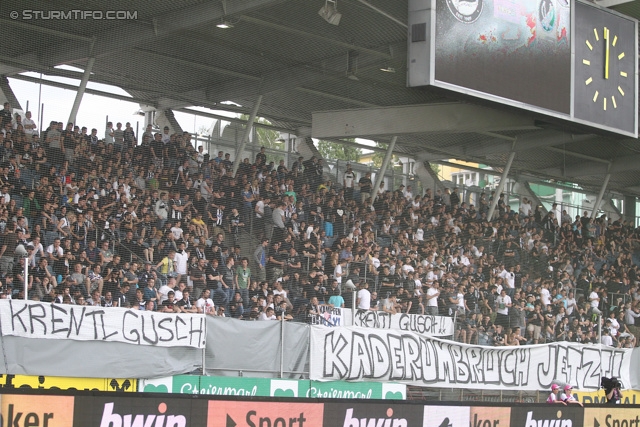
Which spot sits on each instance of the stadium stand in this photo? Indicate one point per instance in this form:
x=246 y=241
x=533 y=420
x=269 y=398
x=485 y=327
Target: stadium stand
x=148 y=221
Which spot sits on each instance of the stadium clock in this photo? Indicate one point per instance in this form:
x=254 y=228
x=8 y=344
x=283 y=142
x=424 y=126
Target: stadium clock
x=605 y=72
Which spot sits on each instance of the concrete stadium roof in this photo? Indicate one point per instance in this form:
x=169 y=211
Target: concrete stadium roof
x=173 y=56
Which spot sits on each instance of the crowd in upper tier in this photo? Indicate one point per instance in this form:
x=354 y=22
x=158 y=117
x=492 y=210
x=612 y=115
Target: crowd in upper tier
x=150 y=222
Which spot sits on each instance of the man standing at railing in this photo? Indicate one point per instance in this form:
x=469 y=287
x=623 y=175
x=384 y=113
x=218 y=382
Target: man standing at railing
x=181 y=261
x=365 y=185
x=166 y=267
x=278 y=222
x=348 y=182
x=594 y=300
x=363 y=301
x=243 y=278
x=215 y=282
x=503 y=303
x=260 y=258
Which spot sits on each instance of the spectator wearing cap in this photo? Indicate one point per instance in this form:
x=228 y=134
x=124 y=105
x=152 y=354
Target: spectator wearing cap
x=553 y=397
x=567 y=397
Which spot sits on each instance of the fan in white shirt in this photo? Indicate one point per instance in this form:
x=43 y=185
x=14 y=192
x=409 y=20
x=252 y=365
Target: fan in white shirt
x=267 y=314
x=205 y=304
x=406 y=269
x=419 y=234
x=29 y=125
x=375 y=262
x=545 y=296
x=464 y=260
x=431 y=276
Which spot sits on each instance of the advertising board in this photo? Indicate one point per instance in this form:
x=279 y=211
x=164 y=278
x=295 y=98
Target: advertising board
x=356 y=414
x=42 y=382
x=613 y=416
x=265 y=414
x=629 y=397
x=109 y=410
x=266 y=387
x=105 y=411
x=35 y=411
x=551 y=415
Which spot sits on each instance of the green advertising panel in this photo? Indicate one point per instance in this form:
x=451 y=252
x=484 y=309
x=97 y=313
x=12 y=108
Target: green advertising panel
x=265 y=387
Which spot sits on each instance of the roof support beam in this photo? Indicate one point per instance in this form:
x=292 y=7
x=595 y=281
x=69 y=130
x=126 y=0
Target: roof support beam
x=37 y=28
x=596 y=206
x=450 y=117
x=578 y=155
x=286 y=78
x=610 y=3
x=531 y=141
x=213 y=106
x=385 y=14
x=199 y=65
x=232 y=120
x=335 y=97
x=81 y=90
x=503 y=179
x=75 y=88
x=618 y=165
x=43 y=30
x=308 y=35
x=383 y=169
x=247 y=131
x=12 y=99
x=133 y=33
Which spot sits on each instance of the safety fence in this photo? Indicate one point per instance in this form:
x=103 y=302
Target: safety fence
x=40 y=339
x=103 y=409
x=248 y=386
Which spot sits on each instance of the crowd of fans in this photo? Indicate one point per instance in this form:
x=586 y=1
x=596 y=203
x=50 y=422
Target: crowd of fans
x=152 y=223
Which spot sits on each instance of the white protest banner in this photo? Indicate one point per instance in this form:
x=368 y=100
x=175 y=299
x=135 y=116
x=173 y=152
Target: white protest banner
x=32 y=319
x=423 y=324
x=330 y=316
x=359 y=354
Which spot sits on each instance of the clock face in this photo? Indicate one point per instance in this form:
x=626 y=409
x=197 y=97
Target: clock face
x=605 y=80
x=605 y=67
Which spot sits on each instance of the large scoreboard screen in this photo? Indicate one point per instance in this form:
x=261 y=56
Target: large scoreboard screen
x=525 y=53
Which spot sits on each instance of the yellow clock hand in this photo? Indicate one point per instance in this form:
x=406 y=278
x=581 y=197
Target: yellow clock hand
x=606 y=59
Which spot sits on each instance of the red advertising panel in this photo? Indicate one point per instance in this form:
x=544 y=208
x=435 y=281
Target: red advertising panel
x=18 y=410
x=264 y=414
x=486 y=416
